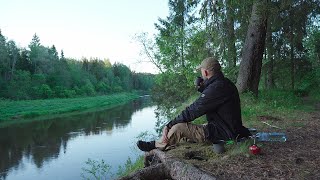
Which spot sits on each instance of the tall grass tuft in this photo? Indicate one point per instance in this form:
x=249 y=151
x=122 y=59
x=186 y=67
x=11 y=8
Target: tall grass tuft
x=130 y=166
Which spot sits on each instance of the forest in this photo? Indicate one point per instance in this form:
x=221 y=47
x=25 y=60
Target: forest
x=40 y=72
x=262 y=45
x=271 y=50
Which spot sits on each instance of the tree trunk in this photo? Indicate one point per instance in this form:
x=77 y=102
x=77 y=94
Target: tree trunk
x=270 y=52
x=14 y=61
x=232 y=53
x=265 y=70
x=292 y=51
x=250 y=66
x=292 y=60
x=168 y=168
x=183 y=35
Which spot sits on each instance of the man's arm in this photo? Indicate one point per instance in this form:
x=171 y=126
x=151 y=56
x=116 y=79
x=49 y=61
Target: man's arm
x=210 y=99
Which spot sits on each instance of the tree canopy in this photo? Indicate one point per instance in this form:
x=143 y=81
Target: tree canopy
x=40 y=72
x=284 y=54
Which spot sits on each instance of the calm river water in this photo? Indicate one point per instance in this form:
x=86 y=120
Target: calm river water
x=58 y=148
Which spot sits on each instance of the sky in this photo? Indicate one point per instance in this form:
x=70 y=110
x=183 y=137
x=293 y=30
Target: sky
x=85 y=28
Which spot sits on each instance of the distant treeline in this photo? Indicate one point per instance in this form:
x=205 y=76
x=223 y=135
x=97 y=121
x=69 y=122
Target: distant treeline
x=39 y=72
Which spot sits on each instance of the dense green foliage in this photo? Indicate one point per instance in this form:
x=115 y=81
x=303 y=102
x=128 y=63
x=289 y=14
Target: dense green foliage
x=194 y=30
x=34 y=108
x=40 y=73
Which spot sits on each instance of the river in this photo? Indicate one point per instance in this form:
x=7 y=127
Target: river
x=59 y=148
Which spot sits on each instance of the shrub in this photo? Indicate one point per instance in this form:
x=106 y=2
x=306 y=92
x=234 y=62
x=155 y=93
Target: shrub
x=45 y=91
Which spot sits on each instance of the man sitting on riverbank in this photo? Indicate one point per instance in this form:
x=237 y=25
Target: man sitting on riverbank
x=219 y=100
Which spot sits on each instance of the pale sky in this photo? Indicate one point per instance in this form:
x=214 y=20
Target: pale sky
x=84 y=28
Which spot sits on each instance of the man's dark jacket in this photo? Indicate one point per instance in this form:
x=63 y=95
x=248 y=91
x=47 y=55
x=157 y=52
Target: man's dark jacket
x=221 y=103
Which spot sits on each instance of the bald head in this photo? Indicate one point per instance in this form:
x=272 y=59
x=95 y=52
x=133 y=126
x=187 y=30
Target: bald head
x=210 y=64
x=209 y=67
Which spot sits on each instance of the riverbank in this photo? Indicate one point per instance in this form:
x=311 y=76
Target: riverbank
x=275 y=111
x=297 y=158
x=14 y=111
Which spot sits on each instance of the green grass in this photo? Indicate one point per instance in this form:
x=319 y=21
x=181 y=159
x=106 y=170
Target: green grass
x=101 y=170
x=96 y=170
x=315 y=94
x=276 y=104
x=13 y=110
x=130 y=166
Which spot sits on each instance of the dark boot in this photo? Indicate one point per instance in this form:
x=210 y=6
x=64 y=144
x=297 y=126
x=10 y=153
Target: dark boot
x=146 y=146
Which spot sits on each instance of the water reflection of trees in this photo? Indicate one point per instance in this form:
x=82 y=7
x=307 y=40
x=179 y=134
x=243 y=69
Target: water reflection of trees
x=42 y=141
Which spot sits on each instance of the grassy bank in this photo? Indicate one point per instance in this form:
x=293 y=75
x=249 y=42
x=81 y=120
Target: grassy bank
x=274 y=107
x=15 y=110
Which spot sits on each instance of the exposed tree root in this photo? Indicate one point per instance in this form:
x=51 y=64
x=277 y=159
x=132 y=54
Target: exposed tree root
x=161 y=166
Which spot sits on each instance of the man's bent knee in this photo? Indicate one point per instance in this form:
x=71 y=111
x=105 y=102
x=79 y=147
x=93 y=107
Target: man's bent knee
x=178 y=127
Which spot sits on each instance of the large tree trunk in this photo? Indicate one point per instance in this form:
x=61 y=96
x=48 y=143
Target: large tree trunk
x=250 y=66
x=232 y=53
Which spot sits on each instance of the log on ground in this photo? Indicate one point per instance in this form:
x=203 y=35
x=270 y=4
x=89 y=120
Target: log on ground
x=167 y=167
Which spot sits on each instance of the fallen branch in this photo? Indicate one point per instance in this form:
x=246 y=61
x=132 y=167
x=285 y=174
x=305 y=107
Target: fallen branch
x=271 y=125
